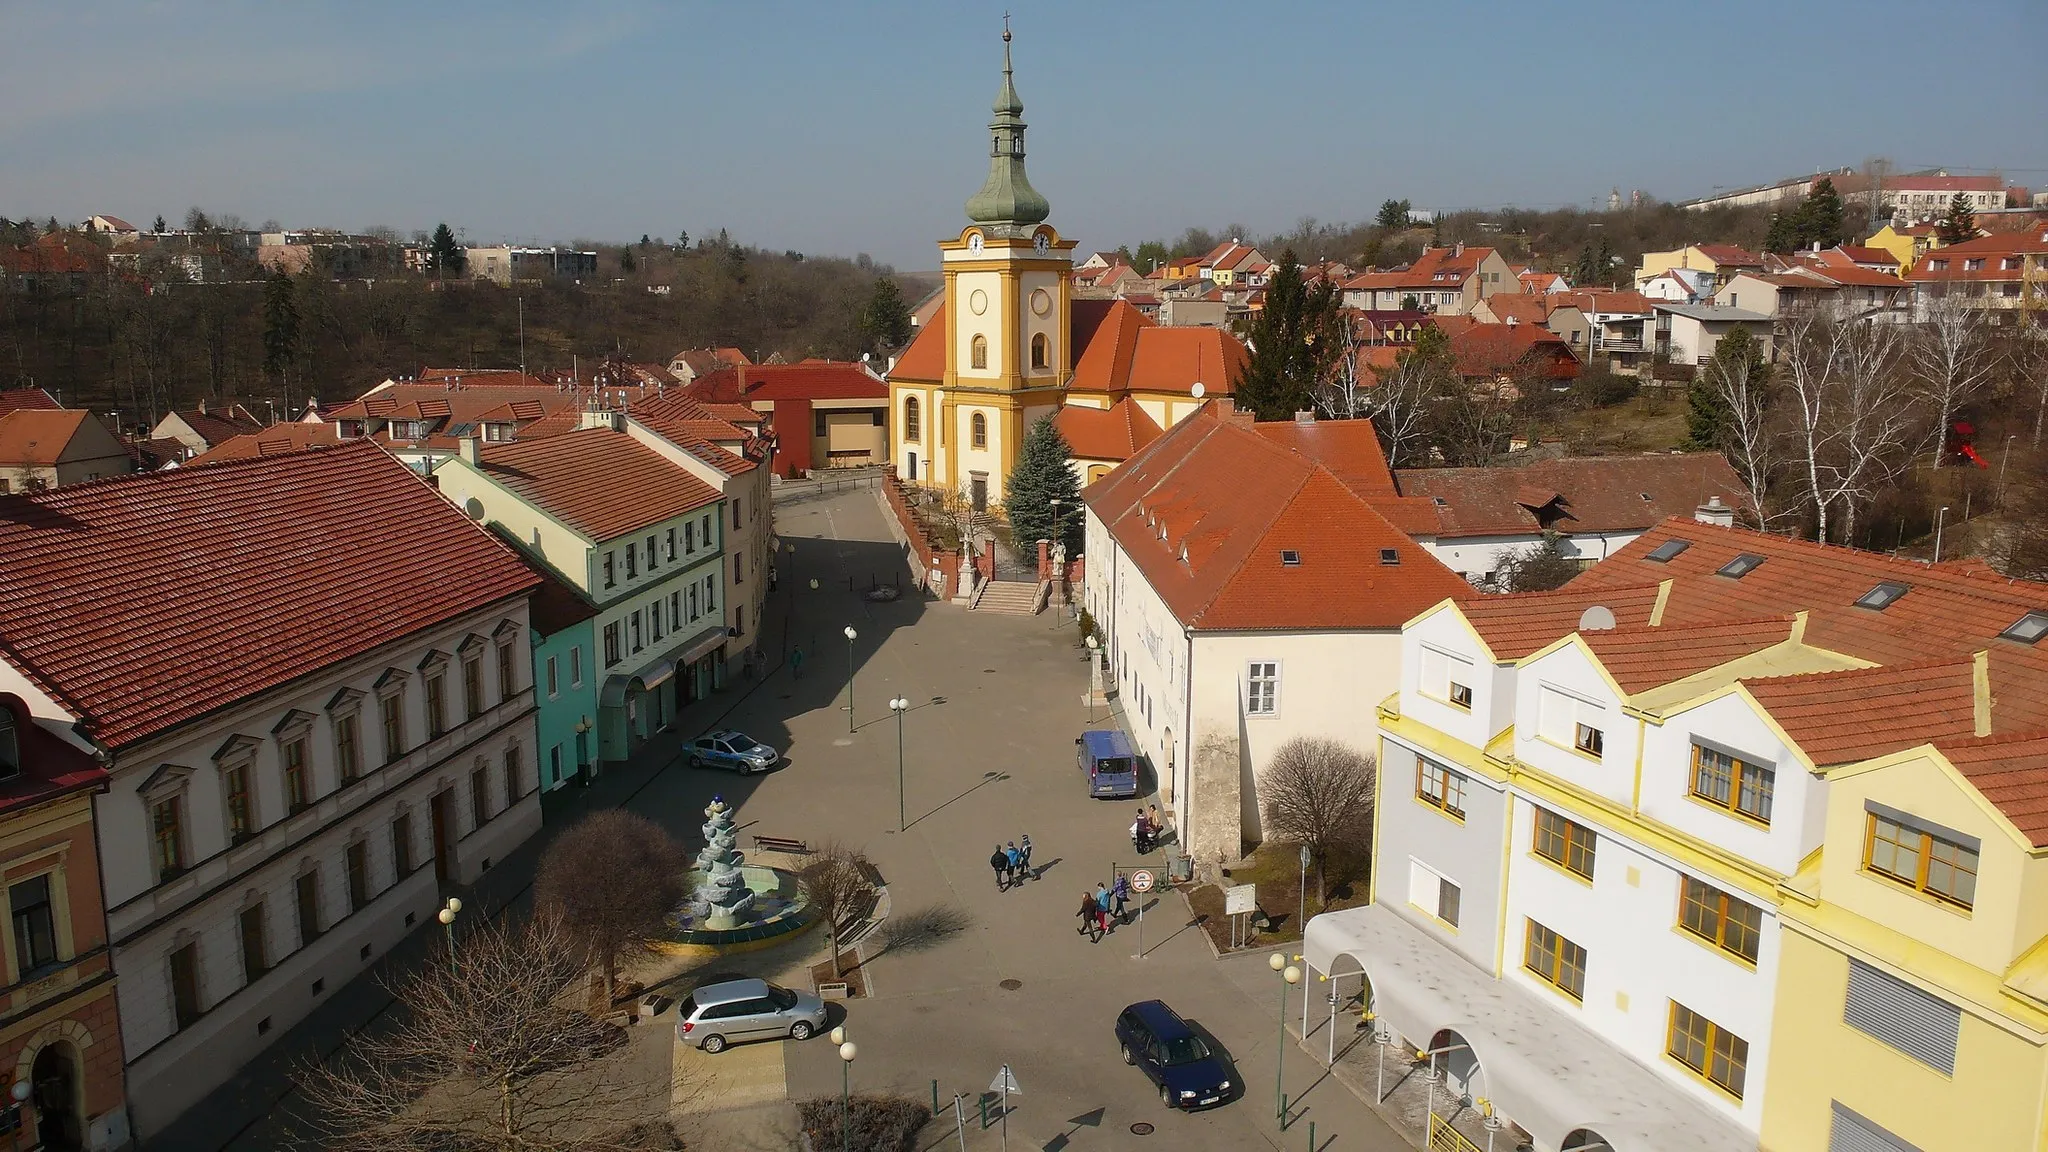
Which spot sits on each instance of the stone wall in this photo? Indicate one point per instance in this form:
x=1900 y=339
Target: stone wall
x=937 y=569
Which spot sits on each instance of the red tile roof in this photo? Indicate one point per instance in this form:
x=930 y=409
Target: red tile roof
x=1207 y=511
x=271 y=441
x=810 y=380
x=1725 y=255
x=1641 y=657
x=35 y=437
x=1858 y=254
x=1436 y=268
x=14 y=399
x=1116 y=348
x=1114 y=433
x=1600 y=494
x=685 y=423
x=2012 y=773
x=218 y=425
x=143 y=602
x=1952 y=261
x=1829 y=714
x=602 y=484
x=1518 y=624
x=1499 y=349
x=51 y=765
x=1174 y=359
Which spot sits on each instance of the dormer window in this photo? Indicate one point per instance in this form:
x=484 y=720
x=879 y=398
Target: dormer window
x=1390 y=556
x=1289 y=558
x=1881 y=597
x=497 y=432
x=2027 y=629
x=1739 y=567
x=1668 y=551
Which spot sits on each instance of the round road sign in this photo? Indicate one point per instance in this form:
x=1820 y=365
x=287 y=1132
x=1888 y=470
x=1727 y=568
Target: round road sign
x=1141 y=881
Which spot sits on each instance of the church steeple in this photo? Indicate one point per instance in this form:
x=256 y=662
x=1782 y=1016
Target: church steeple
x=1007 y=201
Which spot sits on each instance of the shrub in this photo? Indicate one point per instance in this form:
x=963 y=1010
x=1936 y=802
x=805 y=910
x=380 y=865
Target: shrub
x=875 y=1123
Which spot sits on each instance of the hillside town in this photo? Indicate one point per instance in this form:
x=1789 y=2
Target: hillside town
x=1599 y=695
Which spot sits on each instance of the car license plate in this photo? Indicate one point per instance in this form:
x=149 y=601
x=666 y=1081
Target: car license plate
x=1210 y=1099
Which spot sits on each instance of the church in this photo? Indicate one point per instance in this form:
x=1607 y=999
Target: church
x=1010 y=344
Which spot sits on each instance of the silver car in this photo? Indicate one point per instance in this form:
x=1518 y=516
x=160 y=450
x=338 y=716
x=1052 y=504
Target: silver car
x=734 y=750
x=719 y=1014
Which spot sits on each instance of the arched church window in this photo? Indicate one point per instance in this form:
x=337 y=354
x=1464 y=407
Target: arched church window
x=1041 y=351
x=979 y=427
x=978 y=356
x=910 y=421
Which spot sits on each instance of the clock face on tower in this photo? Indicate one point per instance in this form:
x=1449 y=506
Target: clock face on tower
x=1042 y=243
x=974 y=242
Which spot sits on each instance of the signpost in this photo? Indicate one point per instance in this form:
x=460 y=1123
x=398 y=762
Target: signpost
x=1006 y=1084
x=1238 y=900
x=1141 y=883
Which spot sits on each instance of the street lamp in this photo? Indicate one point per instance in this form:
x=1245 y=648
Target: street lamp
x=1939 y=518
x=846 y=1054
x=584 y=769
x=899 y=705
x=1289 y=974
x=447 y=918
x=20 y=1092
x=1094 y=673
x=850 y=635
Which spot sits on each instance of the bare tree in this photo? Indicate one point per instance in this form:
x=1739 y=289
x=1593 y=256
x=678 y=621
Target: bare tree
x=1751 y=436
x=1342 y=394
x=1399 y=404
x=484 y=1053
x=840 y=884
x=2027 y=353
x=614 y=880
x=1853 y=412
x=1319 y=793
x=1953 y=355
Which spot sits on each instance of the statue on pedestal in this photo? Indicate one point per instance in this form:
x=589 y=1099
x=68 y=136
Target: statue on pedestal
x=723 y=899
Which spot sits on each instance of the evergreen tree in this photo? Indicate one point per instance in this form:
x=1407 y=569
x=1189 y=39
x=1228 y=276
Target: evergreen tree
x=1959 y=223
x=1604 y=260
x=1393 y=215
x=1783 y=235
x=1707 y=412
x=1819 y=219
x=885 y=322
x=280 y=327
x=444 y=255
x=1044 y=473
x=626 y=261
x=1296 y=342
x=159 y=225
x=1150 y=255
x=683 y=241
x=645 y=241
x=1586 y=271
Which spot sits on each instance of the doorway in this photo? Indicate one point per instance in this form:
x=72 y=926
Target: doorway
x=438 y=811
x=977 y=487
x=54 y=1077
x=911 y=471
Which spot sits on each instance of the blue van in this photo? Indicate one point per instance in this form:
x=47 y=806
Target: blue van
x=1105 y=755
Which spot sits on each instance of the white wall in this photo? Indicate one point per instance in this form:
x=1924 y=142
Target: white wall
x=1572 y=672
x=1730 y=720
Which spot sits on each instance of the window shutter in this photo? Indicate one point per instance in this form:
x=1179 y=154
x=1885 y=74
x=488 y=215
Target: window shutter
x=1435 y=671
x=1556 y=714
x=1424 y=887
x=1902 y=1016
x=1848 y=1132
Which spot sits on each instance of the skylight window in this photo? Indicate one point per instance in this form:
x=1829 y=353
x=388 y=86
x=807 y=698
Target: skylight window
x=1645 y=496
x=1668 y=551
x=2027 y=629
x=1882 y=597
x=1739 y=567
x=1441 y=502
x=1290 y=558
x=1390 y=555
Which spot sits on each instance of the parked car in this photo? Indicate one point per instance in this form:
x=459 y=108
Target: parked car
x=1189 y=1073
x=735 y=750
x=719 y=1014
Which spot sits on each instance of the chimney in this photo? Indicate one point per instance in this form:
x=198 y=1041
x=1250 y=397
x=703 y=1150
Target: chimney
x=1714 y=512
x=1458 y=249
x=1305 y=416
x=467 y=448
x=598 y=417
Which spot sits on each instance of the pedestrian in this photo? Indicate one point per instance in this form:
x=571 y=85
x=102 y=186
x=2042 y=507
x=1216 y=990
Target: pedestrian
x=1088 y=914
x=796 y=663
x=1102 y=903
x=1121 y=890
x=1015 y=859
x=1024 y=855
x=1152 y=818
x=1141 y=834
x=1000 y=861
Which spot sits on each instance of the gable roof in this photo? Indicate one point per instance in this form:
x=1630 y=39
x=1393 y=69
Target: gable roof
x=123 y=596
x=2011 y=772
x=601 y=483
x=810 y=380
x=1114 y=433
x=1595 y=493
x=1642 y=657
x=689 y=426
x=217 y=425
x=1207 y=510
x=1115 y=348
x=1861 y=713
x=36 y=437
x=1725 y=255
x=271 y=441
x=1519 y=624
x=14 y=399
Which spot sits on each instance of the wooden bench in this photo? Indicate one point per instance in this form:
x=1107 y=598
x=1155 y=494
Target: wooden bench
x=782 y=844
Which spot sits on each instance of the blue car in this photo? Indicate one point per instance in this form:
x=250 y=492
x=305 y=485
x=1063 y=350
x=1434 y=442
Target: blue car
x=1190 y=1074
x=734 y=750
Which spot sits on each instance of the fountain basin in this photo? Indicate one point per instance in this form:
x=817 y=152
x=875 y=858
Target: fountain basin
x=779 y=912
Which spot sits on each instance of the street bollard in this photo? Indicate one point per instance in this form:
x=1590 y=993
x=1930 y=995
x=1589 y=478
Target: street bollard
x=935 y=1097
x=985 y=1121
x=1311 y=1136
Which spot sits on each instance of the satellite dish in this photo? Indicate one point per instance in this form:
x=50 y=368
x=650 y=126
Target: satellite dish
x=1198 y=389
x=1598 y=618
x=474 y=508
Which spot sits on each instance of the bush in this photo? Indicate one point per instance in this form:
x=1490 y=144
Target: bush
x=1599 y=387
x=1087 y=622
x=875 y=1124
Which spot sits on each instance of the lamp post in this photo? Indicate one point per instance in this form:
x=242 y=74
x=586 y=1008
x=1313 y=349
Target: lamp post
x=846 y=1054
x=1939 y=518
x=1301 y=905
x=850 y=636
x=899 y=705
x=583 y=766
x=20 y=1093
x=1289 y=975
x=1094 y=674
x=447 y=916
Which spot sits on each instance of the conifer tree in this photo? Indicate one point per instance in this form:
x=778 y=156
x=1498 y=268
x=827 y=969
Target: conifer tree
x=1958 y=223
x=280 y=327
x=159 y=224
x=886 y=320
x=1044 y=473
x=1295 y=341
x=1707 y=412
x=444 y=254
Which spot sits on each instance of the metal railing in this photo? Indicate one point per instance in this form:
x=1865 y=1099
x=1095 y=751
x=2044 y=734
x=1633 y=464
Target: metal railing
x=1444 y=1138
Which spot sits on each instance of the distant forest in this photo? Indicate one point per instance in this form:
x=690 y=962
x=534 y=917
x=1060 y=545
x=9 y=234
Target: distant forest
x=138 y=338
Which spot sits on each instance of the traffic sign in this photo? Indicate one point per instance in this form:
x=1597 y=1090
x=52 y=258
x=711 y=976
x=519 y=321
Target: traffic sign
x=1141 y=881
x=1005 y=1082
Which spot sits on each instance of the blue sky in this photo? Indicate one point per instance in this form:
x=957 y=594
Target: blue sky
x=860 y=127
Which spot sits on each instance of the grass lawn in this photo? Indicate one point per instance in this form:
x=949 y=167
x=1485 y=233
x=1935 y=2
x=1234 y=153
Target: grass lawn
x=1651 y=421
x=1276 y=869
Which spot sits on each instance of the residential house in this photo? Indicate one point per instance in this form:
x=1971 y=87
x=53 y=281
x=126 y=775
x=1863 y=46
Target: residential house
x=113 y=228
x=1616 y=320
x=1727 y=844
x=310 y=723
x=201 y=428
x=1445 y=281
x=12 y=399
x=504 y=263
x=423 y=421
x=1510 y=351
x=1556 y=312
x=61 y=1034
x=1679 y=285
x=1209 y=310
x=1717 y=262
x=1234 y=263
x=691 y=363
x=1542 y=283
x=639 y=536
x=1904 y=244
x=272 y=441
x=1594 y=505
x=562 y=622
x=1380 y=328
x=1099 y=439
x=821 y=413
x=1803 y=285
x=1687 y=333
x=1247 y=593
x=51 y=447
x=1926 y=196
x=55 y=265
x=2005 y=274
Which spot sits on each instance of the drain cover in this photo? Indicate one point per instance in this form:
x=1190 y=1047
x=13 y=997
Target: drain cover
x=1141 y=1129
x=1010 y=985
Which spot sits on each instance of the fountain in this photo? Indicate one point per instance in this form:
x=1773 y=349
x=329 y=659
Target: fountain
x=723 y=899
x=735 y=905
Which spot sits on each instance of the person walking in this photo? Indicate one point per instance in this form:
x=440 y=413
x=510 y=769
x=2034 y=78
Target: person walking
x=1121 y=891
x=1000 y=861
x=1141 y=834
x=1015 y=859
x=1024 y=855
x=1152 y=818
x=1088 y=914
x=1102 y=902
x=796 y=663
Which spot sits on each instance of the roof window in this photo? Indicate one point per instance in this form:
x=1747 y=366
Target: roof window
x=1290 y=558
x=1441 y=502
x=1668 y=551
x=1739 y=567
x=1645 y=496
x=1883 y=596
x=1390 y=555
x=2027 y=629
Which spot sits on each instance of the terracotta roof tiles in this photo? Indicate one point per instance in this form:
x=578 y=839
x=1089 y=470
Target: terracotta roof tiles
x=1860 y=713
x=1521 y=623
x=276 y=439
x=36 y=437
x=17 y=398
x=1115 y=433
x=2011 y=772
x=1601 y=494
x=601 y=483
x=1643 y=657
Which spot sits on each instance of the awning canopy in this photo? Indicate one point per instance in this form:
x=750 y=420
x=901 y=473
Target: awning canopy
x=1541 y=1068
x=656 y=672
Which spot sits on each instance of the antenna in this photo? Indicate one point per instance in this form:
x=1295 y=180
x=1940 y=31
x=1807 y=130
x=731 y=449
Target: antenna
x=1598 y=618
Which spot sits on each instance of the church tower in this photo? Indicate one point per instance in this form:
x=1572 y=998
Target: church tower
x=1008 y=278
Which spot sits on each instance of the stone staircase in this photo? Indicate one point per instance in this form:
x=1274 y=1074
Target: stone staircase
x=1012 y=596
